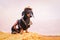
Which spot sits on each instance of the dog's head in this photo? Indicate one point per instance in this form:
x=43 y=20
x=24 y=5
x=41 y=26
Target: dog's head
x=27 y=11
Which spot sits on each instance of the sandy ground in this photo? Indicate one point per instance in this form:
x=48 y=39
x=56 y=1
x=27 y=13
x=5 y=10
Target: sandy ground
x=26 y=36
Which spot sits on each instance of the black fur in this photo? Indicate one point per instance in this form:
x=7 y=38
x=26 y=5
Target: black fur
x=21 y=24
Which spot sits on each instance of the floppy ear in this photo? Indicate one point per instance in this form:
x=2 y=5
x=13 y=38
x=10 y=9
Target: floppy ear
x=23 y=13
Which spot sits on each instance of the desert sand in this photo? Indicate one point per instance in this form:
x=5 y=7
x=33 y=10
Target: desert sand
x=26 y=36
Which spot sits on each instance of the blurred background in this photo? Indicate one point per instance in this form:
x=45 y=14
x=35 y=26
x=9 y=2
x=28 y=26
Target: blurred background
x=46 y=20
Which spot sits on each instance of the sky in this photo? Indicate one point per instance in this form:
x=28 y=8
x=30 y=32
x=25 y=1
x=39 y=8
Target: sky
x=46 y=20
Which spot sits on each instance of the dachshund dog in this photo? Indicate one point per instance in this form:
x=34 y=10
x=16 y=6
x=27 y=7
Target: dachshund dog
x=23 y=23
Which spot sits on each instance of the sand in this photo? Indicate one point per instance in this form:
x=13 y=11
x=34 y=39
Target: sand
x=26 y=36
